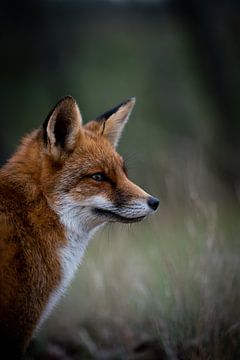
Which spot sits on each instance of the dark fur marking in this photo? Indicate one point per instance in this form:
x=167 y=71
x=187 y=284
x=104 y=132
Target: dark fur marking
x=121 y=198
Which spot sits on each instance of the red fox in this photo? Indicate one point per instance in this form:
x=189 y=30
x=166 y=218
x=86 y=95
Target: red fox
x=64 y=182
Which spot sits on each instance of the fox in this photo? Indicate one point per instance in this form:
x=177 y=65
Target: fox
x=64 y=182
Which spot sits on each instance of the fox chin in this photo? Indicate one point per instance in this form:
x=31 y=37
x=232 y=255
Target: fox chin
x=64 y=181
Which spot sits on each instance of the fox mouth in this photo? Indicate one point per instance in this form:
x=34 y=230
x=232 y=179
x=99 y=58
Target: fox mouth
x=113 y=217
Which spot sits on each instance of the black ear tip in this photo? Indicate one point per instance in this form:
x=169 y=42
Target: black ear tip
x=110 y=112
x=66 y=98
x=131 y=99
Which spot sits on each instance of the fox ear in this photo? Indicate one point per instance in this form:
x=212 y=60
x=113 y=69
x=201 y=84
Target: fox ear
x=62 y=127
x=113 y=121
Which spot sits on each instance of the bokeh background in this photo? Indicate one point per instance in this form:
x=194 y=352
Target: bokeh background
x=168 y=288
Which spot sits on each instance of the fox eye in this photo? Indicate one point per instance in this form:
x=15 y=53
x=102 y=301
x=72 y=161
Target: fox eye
x=99 y=177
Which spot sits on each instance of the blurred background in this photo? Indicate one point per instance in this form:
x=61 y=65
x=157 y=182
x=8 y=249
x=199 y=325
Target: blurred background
x=168 y=288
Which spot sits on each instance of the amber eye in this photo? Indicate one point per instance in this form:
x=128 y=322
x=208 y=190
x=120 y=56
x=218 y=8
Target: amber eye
x=99 y=177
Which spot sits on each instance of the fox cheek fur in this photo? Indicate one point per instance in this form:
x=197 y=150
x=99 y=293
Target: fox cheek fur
x=64 y=181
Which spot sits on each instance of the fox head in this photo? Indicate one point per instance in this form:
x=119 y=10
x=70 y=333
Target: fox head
x=85 y=179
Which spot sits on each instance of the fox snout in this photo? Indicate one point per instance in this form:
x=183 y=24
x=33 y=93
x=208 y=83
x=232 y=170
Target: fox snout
x=137 y=210
x=126 y=212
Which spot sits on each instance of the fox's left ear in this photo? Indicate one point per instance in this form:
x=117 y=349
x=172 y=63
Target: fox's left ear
x=111 y=123
x=62 y=127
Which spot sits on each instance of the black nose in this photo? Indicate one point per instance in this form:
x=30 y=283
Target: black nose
x=153 y=202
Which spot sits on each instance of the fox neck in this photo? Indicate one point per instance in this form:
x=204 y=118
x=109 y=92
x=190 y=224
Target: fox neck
x=79 y=228
x=77 y=237
x=70 y=257
x=78 y=231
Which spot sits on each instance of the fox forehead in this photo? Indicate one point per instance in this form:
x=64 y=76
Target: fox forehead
x=95 y=153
